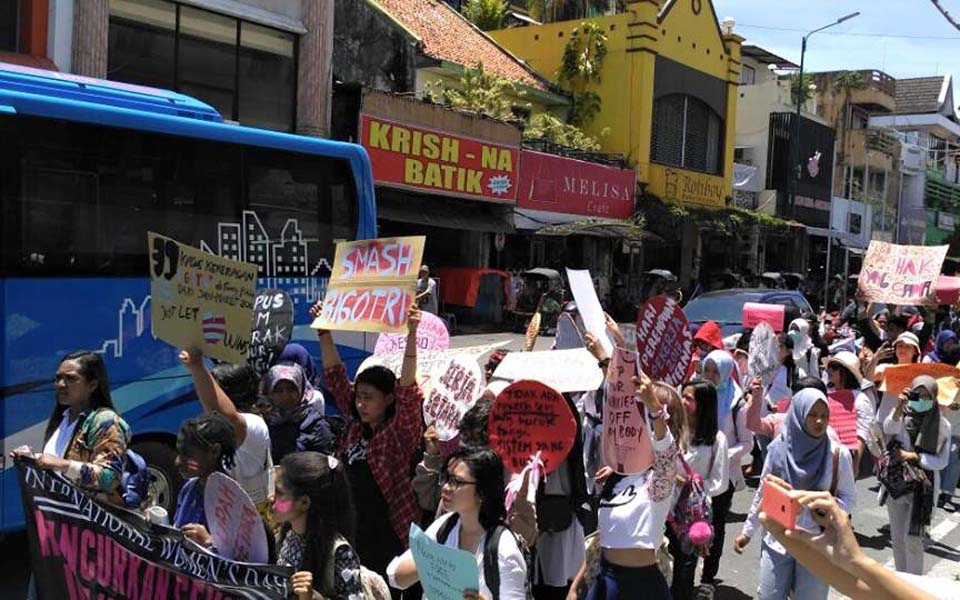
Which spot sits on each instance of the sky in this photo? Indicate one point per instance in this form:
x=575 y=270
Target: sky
x=904 y=38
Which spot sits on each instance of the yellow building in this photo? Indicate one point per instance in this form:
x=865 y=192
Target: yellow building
x=668 y=89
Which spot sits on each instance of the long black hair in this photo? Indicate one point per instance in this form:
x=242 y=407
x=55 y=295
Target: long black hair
x=384 y=380
x=792 y=374
x=486 y=467
x=705 y=395
x=323 y=479
x=91 y=368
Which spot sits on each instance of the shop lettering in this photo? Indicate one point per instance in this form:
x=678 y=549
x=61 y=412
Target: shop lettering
x=384 y=136
x=445 y=177
x=700 y=188
x=596 y=189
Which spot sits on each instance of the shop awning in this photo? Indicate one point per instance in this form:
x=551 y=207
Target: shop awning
x=605 y=228
x=458 y=215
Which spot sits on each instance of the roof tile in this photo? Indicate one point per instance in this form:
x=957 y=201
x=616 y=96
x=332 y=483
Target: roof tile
x=919 y=95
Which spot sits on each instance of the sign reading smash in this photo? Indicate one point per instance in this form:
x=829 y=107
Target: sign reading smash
x=372 y=285
x=895 y=274
x=200 y=300
x=414 y=157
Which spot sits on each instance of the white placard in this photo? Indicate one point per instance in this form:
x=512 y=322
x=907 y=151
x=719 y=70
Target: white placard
x=588 y=305
x=563 y=370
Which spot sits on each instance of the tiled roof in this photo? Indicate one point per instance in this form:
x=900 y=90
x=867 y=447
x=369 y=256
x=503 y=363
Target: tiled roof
x=919 y=95
x=446 y=35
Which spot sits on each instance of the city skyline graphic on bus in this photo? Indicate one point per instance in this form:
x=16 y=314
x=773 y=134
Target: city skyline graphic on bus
x=282 y=262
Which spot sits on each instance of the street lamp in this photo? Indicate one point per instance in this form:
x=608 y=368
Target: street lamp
x=800 y=93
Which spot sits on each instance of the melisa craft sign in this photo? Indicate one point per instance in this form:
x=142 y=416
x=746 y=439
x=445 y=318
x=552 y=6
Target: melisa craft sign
x=425 y=159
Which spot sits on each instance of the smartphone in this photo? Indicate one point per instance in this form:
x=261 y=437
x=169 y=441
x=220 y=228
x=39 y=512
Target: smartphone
x=779 y=505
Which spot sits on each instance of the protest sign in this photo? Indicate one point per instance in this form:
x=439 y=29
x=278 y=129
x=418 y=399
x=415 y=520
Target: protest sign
x=84 y=548
x=627 y=448
x=896 y=378
x=843 y=416
x=764 y=353
x=429 y=363
x=895 y=274
x=272 y=327
x=568 y=334
x=200 y=300
x=233 y=521
x=588 y=305
x=664 y=343
x=528 y=417
x=432 y=334
x=755 y=313
x=445 y=573
x=564 y=370
x=447 y=396
x=372 y=285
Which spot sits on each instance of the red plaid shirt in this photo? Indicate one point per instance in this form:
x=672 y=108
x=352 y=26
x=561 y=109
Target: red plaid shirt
x=391 y=447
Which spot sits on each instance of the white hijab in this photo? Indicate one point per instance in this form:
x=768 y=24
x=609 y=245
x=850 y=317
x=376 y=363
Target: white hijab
x=800 y=346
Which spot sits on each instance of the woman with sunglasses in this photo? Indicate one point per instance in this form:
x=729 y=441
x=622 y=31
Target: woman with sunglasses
x=472 y=496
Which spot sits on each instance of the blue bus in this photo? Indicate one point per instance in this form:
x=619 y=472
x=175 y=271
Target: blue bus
x=87 y=167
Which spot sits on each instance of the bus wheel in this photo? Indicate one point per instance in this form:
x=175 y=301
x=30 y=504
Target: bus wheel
x=165 y=480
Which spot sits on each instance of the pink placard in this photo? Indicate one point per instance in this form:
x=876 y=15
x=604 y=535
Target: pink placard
x=627 y=448
x=755 y=313
x=234 y=523
x=432 y=334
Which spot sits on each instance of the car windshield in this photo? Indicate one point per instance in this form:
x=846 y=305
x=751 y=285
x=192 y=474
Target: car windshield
x=722 y=309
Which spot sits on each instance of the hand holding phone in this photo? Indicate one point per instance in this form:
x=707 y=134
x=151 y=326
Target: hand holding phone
x=780 y=504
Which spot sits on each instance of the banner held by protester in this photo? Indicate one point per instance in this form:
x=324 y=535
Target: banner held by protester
x=591 y=313
x=664 y=343
x=897 y=378
x=432 y=335
x=448 y=396
x=897 y=274
x=372 y=285
x=755 y=313
x=200 y=300
x=272 y=328
x=529 y=417
x=234 y=523
x=445 y=573
x=626 y=446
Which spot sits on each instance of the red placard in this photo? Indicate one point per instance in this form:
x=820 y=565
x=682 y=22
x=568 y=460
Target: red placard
x=843 y=415
x=426 y=159
x=559 y=184
x=755 y=313
x=627 y=448
x=528 y=417
x=664 y=343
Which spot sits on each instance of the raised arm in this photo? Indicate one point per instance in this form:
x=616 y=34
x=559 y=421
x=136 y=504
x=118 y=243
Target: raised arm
x=211 y=395
x=408 y=372
x=328 y=347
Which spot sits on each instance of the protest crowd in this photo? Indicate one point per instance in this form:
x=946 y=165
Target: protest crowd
x=544 y=475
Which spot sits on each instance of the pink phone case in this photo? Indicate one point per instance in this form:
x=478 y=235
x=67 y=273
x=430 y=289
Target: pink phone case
x=778 y=504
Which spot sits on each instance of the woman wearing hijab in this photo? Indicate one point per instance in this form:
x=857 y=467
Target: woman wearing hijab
x=843 y=374
x=294 y=422
x=295 y=354
x=923 y=437
x=804 y=456
x=945 y=350
x=805 y=355
x=718 y=369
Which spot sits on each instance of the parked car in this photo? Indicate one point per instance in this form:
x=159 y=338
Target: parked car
x=726 y=307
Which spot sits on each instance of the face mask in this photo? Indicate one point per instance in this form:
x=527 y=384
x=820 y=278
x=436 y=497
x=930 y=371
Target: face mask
x=796 y=336
x=283 y=506
x=920 y=406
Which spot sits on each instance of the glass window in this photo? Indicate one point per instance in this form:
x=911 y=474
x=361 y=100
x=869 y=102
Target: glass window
x=686 y=133
x=668 y=121
x=268 y=77
x=141 y=42
x=10 y=26
x=207 y=58
x=748 y=75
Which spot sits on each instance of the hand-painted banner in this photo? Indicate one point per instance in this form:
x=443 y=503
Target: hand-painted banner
x=447 y=397
x=564 y=370
x=416 y=158
x=84 y=548
x=233 y=521
x=372 y=285
x=445 y=573
x=627 y=448
x=755 y=313
x=664 y=343
x=897 y=378
x=272 y=328
x=432 y=335
x=764 y=353
x=528 y=417
x=906 y=275
x=200 y=300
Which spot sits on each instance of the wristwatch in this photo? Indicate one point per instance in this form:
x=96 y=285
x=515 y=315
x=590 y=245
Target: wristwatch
x=603 y=363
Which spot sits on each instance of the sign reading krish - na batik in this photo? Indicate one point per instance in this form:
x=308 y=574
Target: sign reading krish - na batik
x=200 y=300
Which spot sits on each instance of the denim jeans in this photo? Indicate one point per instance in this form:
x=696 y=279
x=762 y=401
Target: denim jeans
x=950 y=474
x=782 y=577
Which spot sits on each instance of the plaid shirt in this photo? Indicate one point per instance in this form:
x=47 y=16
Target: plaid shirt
x=391 y=447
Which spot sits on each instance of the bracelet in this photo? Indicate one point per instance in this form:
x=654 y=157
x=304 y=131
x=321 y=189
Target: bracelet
x=603 y=363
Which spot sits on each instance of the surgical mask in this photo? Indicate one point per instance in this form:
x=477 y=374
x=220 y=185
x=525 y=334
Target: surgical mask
x=796 y=336
x=920 y=406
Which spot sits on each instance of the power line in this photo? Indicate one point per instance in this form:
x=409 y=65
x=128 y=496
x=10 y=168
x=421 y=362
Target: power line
x=857 y=34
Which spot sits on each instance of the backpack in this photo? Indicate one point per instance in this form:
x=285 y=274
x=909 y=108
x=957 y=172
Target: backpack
x=491 y=554
x=691 y=519
x=371 y=584
x=134 y=480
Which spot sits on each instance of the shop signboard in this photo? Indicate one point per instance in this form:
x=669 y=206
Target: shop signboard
x=565 y=185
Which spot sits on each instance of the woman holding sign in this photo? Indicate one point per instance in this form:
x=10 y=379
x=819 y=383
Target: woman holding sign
x=385 y=422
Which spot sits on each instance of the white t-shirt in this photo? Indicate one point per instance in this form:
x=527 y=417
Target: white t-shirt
x=513 y=567
x=254 y=462
x=711 y=462
x=57 y=444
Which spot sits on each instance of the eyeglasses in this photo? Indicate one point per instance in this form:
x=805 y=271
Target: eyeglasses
x=454 y=482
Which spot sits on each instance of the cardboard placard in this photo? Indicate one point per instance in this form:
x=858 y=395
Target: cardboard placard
x=764 y=353
x=82 y=547
x=627 y=448
x=896 y=378
x=272 y=328
x=372 y=285
x=447 y=396
x=432 y=334
x=200 y=300
x=897 y=274
x=588 y=305
x=568 y=334
x=564 y=370
x=528 y=417
x=445 y=573
x=755 y=313
x=664 y=342
x=233 y=521
x=843 y=416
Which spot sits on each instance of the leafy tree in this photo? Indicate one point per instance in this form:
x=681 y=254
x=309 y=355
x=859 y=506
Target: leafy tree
x=486 y=14
x=480 y=92
x=797 y=87
x=580 y=67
